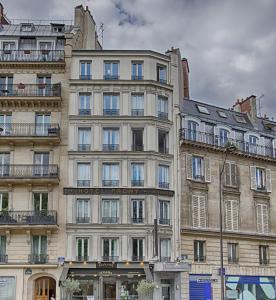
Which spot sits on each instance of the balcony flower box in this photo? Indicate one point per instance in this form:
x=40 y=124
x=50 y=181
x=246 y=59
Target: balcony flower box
x=21 y=86
x=27 y=51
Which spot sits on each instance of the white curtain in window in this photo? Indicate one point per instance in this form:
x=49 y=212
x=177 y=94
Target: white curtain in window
x=84 y=136
x=110 y=172
x=137 y=101
x=82 y=208
x=137 y=172
x=165 y=248
x=163 y=174
x=163 y=104
x=84 y=171
x=111 y=101
x=111 y=136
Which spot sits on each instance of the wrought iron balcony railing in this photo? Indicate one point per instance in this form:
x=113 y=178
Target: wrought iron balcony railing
x=85 y=77
x=215 y=140
x=110 y=183
x=111 y=112
x=32 y=55
x=82 y=258
x=199 y=258
x=110 y=147
x=137 y=112
x=30 y=90
x=84 y=111
x=137 y=220
x=165 y=258
x=3 y=258
x=43 y=217
x=110 y=258
x=28 y=171
x=84 y=147
x=83 y=183
x=111 y=77
x=38 y=258
x=163 y=150
x=233 y=260
x=137 y=77
x=138 y=258
x=164 y=185
x=163 y=115
x=164 y=221
x=264 y=261
x=110 y=220
x=137 y=182
x=83 y=220
x=29 y=130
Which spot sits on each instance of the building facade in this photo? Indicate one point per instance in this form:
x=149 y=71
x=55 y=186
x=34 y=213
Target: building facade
x=248 y=179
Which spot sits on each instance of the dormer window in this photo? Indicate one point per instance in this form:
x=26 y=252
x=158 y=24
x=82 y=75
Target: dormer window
x=27 y=27
x=57 y=28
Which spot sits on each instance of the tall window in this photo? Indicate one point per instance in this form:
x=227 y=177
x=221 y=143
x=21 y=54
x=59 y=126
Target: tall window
x=162 y=107
x=199 y=251
x=111 y=105
x=192 y=130
x=253 y=144
x=40 y=202
x=232 y=215
x=83 y=211
x=42 y=124
x=233 y=253
x=264 y=255
x=163 y=141
x=223 y=137
x=84 y=135
x=85 y=70
x=231 y=174
x=111 y=139
x=6 y=85
x=39 y=249
x=82 y=249
x=3 y=256
x=137 y=139
x=137 y=211
x=260 y=179
x=137 y=174
x=110 y=211
x=137 y=249
x=110 y=249
x=198 y=168
x=161 y=74
x=164 y=212
x=163 y=172
x=4 y=164
x=165 y=249
x=84 y=104
x=199 y=214
x=84 y=174
x=262 y=214
x=44 y=85
x=137 y=70
x=41 y=163
x=5 y=124
x=137 y=104
x=111 y=70
x=4 y=202
x=111 y=176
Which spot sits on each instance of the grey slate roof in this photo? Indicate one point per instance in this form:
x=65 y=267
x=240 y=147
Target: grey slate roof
x=189 y=107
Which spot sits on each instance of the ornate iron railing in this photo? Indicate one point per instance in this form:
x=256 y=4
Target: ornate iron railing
x=32 y=55
x=38 y=258
x=29 y=171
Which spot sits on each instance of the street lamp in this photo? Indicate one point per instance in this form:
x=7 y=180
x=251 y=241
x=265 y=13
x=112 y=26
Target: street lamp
x=228 y=148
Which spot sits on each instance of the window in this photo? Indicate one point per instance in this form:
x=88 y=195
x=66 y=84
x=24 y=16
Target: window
x=8 y=287
x=199 y=212
x=41 y=163
x=137 y=139
x=3 y=256
x=137 y=70
x=6 y=85
x=137 y=174
x=111 y=174
x=84 y=136
x=40 y=202
x=138 y=211
x=161 y=74
x=192 y=130
x=137 y=249
x=27 y=27
x=111 y=70
x=84 y=104
x=223 y=137
x=110 y=249
x=198 y=168
x=232 y=215
x=110 y=211
x=262 y=216
x=83 y=211
x=82 y=249
x=202 y=109
x=163 y=107
x=163 y=173
x=111 y=105
x=85 y=70
x=260 y=179
x=39 y=249
x=264 y=255
x=5 y=124
x=240 y=119
x=137 y=104
x=111 y=139
x=164 y=212
x=4 y=164
x=231 y=174
x=42 y=124
x=163 y=141
x=253 y=144
x=232 y=253
x=222 y=114
x=44 y=87
x=199 y=251
x=165 y=249
x=4 y=202
x=8 y=47
x=84 y=174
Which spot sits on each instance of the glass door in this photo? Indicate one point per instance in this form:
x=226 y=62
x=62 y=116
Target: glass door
x=41 y=163
x=4 y=164
x=166 y=292
x=5 y=124
x=44 y=85
x=42 y=124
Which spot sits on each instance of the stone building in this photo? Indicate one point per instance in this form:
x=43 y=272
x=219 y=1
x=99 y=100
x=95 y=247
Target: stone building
x=248 y=185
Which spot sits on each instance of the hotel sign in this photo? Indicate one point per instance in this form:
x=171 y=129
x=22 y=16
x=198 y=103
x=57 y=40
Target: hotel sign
x=117 y=191
x=106 y=265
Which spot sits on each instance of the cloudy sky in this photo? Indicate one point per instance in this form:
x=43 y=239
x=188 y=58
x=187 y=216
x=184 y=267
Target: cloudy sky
x=230 y=44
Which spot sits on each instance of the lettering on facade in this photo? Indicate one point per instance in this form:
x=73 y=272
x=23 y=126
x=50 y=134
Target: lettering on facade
x=117 y=191
x=105 y=273
x=106 y=265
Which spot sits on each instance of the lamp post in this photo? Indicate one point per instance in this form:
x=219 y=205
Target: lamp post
x=229 y=148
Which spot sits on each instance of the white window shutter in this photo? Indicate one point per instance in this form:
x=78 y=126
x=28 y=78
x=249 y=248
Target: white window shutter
x=207 y=169
x=235 y=215
x=195 y=211
x=274 y=147
x=202 y=212
x=259 y=216
x=228 y=222
x=265 y=218
x=268 y=180
x=234 y=179
x=261 y=146
x=227 y=172
x=201 y=136
x=199 y=219
x=189 y=167
x=253 y=177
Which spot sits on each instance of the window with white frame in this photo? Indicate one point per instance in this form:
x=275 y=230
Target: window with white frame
x=111 y=174
x=111 y=70
x=199 y=211
x=8 y=47
x=162 y=107
x=39 y=249
x=85 y=70
x=137 y=249
x=83 y=211
x=137 y=174
x=264 y=254
x=40 y=202
x=5 y=124
x=111 y=104
x=137 y=104
x=84 y=139
x=230 y=173
x=253 y=144
x=260 y=179
x=84 y=104
x=165 y=249
x=4 y=164
x=110 y=139
x=6 y=85
x=198 y=168
x=223 y=136
x=137 y=70
x=4 y=201
x=161 y=73
x=199 y=251
x=192 y=130
x=262 y=218
x=163 y=176
x=164 y=212
x=3 y=258
x=232 y=253
x=110 y=249
x=232 y=215
x=82 y=249
x=110 y=211
x=84 y=174
x=42 y=124
x=137 y=210
x=44 y=87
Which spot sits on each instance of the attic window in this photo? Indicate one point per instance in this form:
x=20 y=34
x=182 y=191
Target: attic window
x=202 y=109
x=57 y=27
x=222 y=114
x=28 y=27
x=240 y=119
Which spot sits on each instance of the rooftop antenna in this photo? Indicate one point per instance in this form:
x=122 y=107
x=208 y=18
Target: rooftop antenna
x=259 y=105
x=101 y=33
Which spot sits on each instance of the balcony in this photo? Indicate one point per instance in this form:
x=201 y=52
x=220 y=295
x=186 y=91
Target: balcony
x=164 y=221
x=83 y=183
x=111 y=77
x=85 y=77
x=82 y=258
x=110 y=147
x=164 y=185
x=85 y=112
x=137 y=147
x=84 y=147
x=212 y=140
x=30 y=90
x=137 y=220
x=110 y=258
x=110 y=183
x=163 y=115
x=31 y=55
x=111 y=112
x=137 y=112
x=29 y=172
x=3 y=258
x=14 y=218
x=138 y=258
x=110 y=220
x=38 y=258
x=83 y=220
x=137 y=182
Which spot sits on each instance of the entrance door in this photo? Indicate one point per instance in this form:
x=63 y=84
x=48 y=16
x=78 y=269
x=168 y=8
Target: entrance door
x=45 y=287
x=166 y=292
x=109 y=291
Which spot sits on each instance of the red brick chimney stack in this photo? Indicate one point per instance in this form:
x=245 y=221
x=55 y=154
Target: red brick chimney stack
x=3 y=19
x=248 y=106
x=186 y=71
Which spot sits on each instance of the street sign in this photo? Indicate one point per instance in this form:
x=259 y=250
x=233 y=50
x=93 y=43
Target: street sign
x=28 y=271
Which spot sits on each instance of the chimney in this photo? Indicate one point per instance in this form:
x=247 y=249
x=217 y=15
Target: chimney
x=3 y=19
x=186 y=71
x=249 y=106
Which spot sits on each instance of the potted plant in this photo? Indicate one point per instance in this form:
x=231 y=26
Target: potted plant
x=21 y=86
x=70 y=287
x=145 y=288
